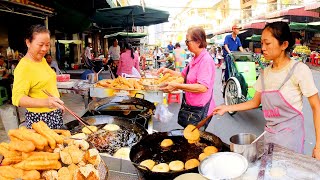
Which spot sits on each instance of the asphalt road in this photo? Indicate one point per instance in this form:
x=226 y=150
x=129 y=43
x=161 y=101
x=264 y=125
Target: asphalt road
x=251 y=121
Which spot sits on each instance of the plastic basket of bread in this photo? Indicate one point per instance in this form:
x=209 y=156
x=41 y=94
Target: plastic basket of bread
x=43 y=153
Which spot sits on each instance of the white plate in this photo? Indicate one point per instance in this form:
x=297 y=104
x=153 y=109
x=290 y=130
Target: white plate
x=223 y=165
x=190 y=176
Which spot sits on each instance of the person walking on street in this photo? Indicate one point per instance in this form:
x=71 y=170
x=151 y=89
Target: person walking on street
x=128 y=60
x=279 y=89
x=179 y=57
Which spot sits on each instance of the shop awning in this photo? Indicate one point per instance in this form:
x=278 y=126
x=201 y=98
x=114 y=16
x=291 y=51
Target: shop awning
x=129 y=16
x=254 y=25
x=31 y=10
x=70 y=41
x=126 y=34
x=293 y=12
x=313 y=7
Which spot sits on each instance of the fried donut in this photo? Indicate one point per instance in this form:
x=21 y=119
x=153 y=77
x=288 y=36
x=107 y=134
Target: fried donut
x=202 y=156
x=86 y=129
x=192 y=142
x=93 y=157
x=191 y=163
x=210 y=150
x=176 y=165
x=111 y=127
x=166 y=143
x=148 y=163
x=191 y=133
x=162 y=167
x=80 y=136
x=64 y=173
x=122 y=153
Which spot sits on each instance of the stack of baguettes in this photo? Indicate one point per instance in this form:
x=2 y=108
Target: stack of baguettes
x=43 y=153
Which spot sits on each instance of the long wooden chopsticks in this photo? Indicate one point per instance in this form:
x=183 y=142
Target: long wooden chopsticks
x=71 y=112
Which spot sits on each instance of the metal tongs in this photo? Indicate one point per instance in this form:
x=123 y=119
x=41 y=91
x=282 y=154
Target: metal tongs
x=71 y=112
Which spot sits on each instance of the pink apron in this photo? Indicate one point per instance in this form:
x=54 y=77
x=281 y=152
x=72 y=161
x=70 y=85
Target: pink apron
x=285 y=124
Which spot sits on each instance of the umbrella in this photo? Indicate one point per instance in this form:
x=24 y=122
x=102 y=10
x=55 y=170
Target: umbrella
x=254 y=37
x=129 y=16
x=294 y=26
x=126 y=34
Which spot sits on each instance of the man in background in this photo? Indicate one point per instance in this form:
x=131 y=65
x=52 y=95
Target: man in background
x=114 y=52
x=52 y=64
x=170 y=47
x=231 y=43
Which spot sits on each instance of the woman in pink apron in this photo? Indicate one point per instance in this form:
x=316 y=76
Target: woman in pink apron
x=280 y=89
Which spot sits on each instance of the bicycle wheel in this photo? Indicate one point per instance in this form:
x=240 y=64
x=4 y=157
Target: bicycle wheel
x=231 y=94
x=222 y=81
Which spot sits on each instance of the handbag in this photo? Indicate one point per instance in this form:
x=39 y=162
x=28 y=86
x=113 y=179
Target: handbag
x=192 y=114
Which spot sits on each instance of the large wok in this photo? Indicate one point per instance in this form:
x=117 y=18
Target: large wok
x=149 y=148
x=132 y=132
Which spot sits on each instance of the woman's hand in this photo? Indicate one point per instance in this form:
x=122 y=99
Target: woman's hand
x=54 y=102
x=162 y=70
x=316 y=153
x=220 y=109
x=169 y=87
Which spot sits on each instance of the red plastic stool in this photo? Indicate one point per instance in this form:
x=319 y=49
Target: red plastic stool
x=174 y=97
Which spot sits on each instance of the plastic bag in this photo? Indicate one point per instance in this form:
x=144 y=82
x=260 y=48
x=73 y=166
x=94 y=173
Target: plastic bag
x=135 y=74
x=162 y=113
x=9 y=117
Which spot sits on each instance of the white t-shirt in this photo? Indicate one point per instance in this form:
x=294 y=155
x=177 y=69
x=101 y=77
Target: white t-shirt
x=114 y=52
x=300 y=84
x=87 y=52
x=54 y=64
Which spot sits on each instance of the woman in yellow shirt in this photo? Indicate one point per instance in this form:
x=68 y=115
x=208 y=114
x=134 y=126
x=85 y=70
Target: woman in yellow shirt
x=33 y=75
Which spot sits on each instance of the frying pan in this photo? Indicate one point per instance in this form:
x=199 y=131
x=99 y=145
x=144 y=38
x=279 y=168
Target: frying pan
x=129 y=134
x=149 y=148
x=76 y=127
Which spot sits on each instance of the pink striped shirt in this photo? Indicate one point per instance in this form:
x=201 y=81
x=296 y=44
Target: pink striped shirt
x=202 y=71
x=126 y=63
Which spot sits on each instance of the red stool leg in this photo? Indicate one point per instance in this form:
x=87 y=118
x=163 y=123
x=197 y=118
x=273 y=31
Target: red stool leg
x=173 y=98
x=178 y=98
x=169 y=98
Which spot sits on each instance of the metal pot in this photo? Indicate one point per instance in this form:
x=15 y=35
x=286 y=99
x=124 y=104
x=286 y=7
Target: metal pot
x=241 y=144
x=149 y=148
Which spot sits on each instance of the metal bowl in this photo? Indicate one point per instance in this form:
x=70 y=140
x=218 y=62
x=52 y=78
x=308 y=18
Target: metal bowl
x=220 y=166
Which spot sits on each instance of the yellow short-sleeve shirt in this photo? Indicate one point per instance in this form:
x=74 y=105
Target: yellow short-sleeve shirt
x=30 y=78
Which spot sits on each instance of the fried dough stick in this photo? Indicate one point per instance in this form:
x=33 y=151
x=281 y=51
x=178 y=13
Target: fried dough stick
x=41 y=128
x=63 y=132
x=25 y=134
x=38 y=165
x=23 y=146
x=10 y=157
x=9 y=172
x=40 y=156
